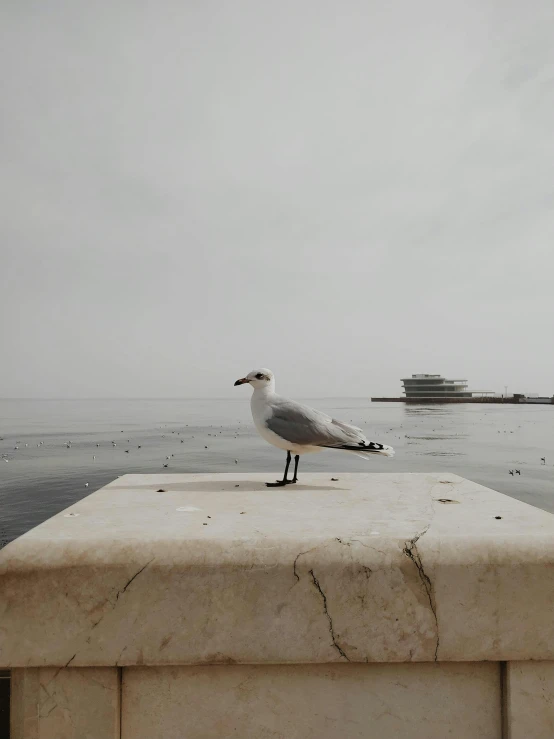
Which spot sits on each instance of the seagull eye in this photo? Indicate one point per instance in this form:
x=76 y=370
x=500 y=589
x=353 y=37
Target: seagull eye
x=259 y=376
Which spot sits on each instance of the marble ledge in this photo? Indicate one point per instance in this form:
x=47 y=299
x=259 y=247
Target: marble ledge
x=219 y=569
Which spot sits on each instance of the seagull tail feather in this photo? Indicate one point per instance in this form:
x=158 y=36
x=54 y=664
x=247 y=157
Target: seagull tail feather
x=372 y=447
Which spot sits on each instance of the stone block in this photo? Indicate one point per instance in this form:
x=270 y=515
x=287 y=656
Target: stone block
x=66 y=703
x=208 y=569
x=402 y=701
x=529 y=698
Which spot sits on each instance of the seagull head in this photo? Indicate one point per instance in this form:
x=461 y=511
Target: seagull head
x=258 y=378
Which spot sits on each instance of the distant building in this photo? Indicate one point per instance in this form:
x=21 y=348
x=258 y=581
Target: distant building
x=434 y=386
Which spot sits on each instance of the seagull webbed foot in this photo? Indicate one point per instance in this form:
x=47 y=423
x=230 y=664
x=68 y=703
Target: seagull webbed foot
x=281 y=483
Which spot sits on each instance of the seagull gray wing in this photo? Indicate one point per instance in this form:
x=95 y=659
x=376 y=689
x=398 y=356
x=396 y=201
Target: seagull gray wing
x=300 y=424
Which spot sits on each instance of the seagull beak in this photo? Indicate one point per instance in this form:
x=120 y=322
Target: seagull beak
x=242 y=381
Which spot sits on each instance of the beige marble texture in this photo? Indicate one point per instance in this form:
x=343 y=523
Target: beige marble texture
x=219 y=569
x=67 y=703
x=416 y=701
x=529 y=697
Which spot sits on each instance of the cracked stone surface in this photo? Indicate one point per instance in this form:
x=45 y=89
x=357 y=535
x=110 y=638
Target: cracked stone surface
x=412 y=552
x=331 y=629
x=370 y=568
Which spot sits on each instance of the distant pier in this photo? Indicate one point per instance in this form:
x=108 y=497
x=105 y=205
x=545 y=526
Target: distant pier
x=513 y=400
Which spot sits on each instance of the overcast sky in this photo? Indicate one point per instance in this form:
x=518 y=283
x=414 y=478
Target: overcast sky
x=344 y=192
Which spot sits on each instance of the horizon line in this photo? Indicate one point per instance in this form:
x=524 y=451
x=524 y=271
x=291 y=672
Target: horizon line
x=176 y=397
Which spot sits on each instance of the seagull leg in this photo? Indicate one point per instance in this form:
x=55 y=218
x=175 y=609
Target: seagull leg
x=284 y=481
x=296 y=460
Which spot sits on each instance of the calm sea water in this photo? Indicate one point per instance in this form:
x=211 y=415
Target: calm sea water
x=43 y=476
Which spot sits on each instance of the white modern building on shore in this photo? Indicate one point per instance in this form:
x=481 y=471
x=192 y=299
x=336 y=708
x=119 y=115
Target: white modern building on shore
x=434 y=386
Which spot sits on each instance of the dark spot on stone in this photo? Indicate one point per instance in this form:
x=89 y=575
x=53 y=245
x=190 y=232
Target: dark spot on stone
x=161 y=490
x=447 y=500
x=335 y=479
x=498 y=517
x=204 y=524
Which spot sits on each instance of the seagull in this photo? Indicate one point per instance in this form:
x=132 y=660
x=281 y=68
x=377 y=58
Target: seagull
x=299 y=429
x=543 y=460
x=511 y=472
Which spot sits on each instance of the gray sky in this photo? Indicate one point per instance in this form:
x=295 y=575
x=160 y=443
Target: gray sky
x=343 y=192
